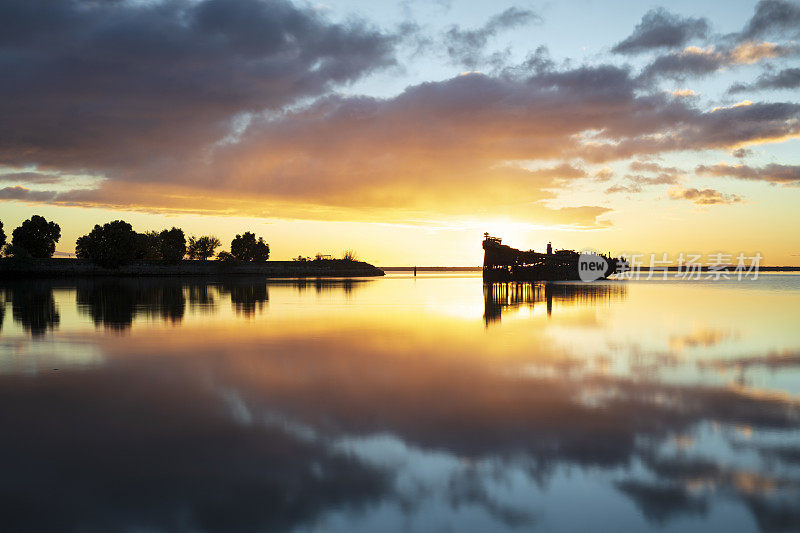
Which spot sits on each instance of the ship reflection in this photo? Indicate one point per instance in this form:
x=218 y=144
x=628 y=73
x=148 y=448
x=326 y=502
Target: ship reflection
x=499 y=297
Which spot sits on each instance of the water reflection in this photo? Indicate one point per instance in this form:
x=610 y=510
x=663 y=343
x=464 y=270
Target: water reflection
x=323 y=285
x=202 y=297
x=33 y=306
x=498 y=297
x=115 y=303
x=248 y=297
x=390 y=414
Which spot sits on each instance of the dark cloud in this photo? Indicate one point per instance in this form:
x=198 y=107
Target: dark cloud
x=694 y=61
x=104 y=85
x=661 y=29
x=788 y=78
x=18 y=192
x=688 y=128
x=467 y=139
x=158 y=125
x=31 y=177
x=467 y=47
x=773 y=17
x=704 y=196
x=772 y=173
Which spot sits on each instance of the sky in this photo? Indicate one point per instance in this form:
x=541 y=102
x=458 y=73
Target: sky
x=405 y=130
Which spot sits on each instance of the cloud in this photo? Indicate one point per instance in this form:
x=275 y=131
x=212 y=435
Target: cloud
x=661 y=29
x=703 y=196
x=630 y=188
x=645 y=166
x=772 y=173
x=687 y=128
x=18 y=192
x=773 y=17
x=104 y=85
x=276 y=141
x=788 y=78
x=467 y=47
x=31 y=177
x=604 y=174
x=694 y=61
x=444 y=148
x=635 y=183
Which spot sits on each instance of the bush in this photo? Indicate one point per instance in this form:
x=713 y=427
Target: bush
x=110 y=245
x=37 y=237
x=225 y=256
x=247 y=248
x=202 y=247
x=172 y=245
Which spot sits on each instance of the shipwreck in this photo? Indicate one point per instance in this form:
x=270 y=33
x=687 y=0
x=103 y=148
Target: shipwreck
x=504 y=263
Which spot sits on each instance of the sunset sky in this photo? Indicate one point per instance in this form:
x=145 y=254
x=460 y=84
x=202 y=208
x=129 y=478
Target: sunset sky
x=404 y=130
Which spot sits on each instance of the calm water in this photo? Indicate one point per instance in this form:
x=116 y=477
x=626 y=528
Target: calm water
x=400 y=404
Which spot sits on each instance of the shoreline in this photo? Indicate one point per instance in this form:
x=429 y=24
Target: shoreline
x=70 y=267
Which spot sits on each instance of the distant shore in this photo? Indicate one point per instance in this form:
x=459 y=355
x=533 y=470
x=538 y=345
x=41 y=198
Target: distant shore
x=433 y=269
x=67 y=267
x=642 y=269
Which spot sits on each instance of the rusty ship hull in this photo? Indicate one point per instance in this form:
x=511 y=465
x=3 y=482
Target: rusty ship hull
x=504 y=263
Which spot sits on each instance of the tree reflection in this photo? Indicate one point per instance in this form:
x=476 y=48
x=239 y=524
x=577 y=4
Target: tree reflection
x=248 y=297
x=323 y=285
x=33 y=306
x=201 y=297
x=115 y=303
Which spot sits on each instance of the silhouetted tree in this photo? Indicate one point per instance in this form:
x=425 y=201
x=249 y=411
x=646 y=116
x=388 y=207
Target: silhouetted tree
x=173 y=245
x=36 y=237
x=111 y=245
x=350 y=255
x=247 y=248
x=2 y=236
x=148 y=246
x=225 y=256
x=260 y=251
x=202 y=247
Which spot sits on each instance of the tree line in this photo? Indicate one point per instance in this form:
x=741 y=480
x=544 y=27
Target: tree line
x=116 y=244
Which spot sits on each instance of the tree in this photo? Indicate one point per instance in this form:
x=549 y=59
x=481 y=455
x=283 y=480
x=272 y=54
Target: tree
x=173 y=245
x=148 y=246
x=202 y=247
x=2 y=236
x=247 y=248
x=36 y=237
x=260 y=251
x=111 y=245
